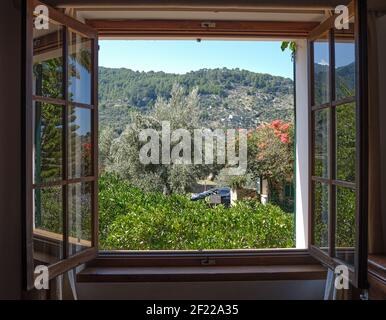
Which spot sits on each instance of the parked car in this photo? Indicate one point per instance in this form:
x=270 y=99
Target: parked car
x=224 y=193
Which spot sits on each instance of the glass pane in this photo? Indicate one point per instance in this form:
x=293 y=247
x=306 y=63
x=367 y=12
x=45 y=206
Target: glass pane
x=344 y=66
x=48 y=142
x=48 y=225
x=79 y=143
x=80 y=204
x=79 y=68
x=345 y=224
x=48 y=61
x=321 y=143
x=345 y=142
x=320 y=215
x=321 y=70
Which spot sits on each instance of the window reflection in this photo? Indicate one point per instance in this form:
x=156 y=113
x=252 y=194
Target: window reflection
x=48 y=142
x=79 y=68
x=80 y=206
x=321 y=71
x=345 y=142
x=344 y=66
x=321 y=216
x=79 y=143
x=48 y=225
x=48 y=61
x=345 y=224
x=321 y=141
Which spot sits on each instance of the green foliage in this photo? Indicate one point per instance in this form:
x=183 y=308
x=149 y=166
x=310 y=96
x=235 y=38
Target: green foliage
x=345 y=82
x=345 y=158
x=346 y=142
x=141 y=89
x=49 y=214
x=237 y=182
x=345 y=224
x=271 y=151
x=291 y=45
x=249 y=97
x=133 y=220
x=181 y=112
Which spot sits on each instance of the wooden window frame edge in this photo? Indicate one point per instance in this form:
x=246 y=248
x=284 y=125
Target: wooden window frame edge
x=291 y=264
x=189 y=29
x=377 y=277
x=69 y=261
x=204 y=273
x=358 y=273
x=377 y=267
x=202 y=258
x=194 y=28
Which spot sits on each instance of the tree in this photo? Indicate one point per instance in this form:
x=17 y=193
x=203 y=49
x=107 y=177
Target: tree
x=271 y=153
x=106 y=138
x=181 y=112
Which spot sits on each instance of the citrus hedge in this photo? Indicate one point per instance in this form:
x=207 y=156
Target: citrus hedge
x=133 y=220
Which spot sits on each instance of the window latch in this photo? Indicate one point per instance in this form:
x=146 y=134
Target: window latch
x=208 y=24
x=208 y=262
x=364 y=295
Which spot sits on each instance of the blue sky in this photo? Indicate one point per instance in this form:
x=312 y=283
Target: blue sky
x=344 y=52
x=181 y=56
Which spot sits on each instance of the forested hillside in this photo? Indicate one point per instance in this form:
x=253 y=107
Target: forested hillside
x=228 y=98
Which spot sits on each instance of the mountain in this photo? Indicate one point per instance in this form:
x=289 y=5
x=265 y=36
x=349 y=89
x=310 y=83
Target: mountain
x=228 y=98
x=344 y=77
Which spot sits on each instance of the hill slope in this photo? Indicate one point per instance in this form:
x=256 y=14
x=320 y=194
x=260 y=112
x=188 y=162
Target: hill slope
x=228 y=98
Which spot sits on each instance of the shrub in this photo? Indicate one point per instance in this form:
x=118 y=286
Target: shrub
x=133 y=220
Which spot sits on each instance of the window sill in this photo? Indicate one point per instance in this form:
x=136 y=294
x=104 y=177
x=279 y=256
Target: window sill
x=377 y=266
x=203 y=273
x=377 y=277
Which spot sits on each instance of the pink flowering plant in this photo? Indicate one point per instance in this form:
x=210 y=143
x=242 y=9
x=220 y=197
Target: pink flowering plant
x=271 y=151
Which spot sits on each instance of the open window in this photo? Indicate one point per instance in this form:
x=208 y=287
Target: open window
x=61 y=114
x=61 y=141
x=338 y=145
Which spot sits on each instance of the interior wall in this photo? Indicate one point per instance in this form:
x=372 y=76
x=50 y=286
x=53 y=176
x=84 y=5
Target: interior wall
x=10 y=154
x=253 y=290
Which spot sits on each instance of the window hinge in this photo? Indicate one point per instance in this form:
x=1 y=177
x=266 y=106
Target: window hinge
x=208 y=262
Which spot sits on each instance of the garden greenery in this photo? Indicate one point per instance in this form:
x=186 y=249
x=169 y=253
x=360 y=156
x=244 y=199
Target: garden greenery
x=130 y=219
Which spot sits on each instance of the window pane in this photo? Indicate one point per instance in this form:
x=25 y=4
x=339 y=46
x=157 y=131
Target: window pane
x=48 y=225
x=80 y=204
x=79 y=143
x=344 y=66
x=321 y=70
x=345 y=142
x=48 y=140
x=48 y=61
x=79 y=68
x=320 y=215
x=321 y=143
x=345 y=224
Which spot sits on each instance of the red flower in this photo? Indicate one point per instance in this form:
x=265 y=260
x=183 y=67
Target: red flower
x=276 y=124
x=284 y=127
x=284 y=138
x=87 y=146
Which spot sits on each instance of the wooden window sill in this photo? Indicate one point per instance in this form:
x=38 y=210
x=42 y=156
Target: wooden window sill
x=377 y=277
x=204 y=273
x=377 y=266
